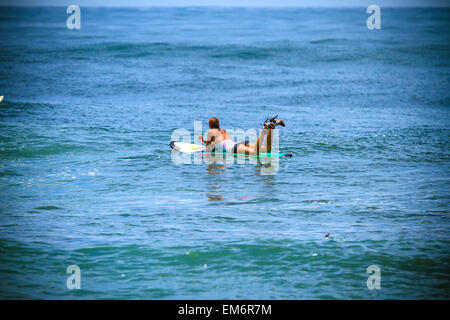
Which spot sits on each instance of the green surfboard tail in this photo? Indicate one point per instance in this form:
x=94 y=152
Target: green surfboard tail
x=261 y=155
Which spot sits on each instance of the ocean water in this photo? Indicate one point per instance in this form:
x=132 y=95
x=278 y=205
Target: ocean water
x=86 y=176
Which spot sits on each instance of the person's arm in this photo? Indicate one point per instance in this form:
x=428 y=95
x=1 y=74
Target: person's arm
x=209 y=138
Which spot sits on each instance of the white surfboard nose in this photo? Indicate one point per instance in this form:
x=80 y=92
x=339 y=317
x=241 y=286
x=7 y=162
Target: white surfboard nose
x=186 y=147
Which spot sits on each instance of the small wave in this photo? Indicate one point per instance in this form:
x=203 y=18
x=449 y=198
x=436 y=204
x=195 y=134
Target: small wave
x=329 y=40
x=47 y=208
x=9 y=173
x=41 y=151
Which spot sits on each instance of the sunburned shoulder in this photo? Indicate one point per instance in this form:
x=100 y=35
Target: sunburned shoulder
x=214 y=132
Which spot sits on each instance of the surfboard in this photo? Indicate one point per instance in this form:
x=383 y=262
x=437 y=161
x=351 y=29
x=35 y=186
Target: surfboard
x=196 y=148
x=186 y=147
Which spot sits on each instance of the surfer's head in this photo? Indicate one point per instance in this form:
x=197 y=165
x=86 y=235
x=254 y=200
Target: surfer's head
x=213 y=123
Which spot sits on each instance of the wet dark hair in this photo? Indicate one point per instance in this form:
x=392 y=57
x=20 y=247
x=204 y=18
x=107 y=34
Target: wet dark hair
x=214 y=123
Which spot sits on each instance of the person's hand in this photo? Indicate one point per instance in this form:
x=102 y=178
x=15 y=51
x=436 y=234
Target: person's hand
x=200 y=138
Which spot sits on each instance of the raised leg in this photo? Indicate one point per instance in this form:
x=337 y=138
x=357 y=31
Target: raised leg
x=260 y=140
x=258 y=147
x=269 y=141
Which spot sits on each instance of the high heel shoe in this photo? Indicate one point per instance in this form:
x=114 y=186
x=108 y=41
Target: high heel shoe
x=277 y=122
x=268 y=124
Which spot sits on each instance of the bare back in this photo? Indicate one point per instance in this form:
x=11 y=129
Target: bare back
x=217 y=135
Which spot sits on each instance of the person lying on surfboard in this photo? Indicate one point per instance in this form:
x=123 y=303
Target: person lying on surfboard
x=218 y=140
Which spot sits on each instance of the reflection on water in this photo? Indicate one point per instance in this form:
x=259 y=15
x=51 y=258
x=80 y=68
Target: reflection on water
x=213 y=182
x=218 y=175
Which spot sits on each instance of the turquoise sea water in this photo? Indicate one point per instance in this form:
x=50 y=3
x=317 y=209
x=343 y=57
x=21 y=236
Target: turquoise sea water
x=86 y=176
